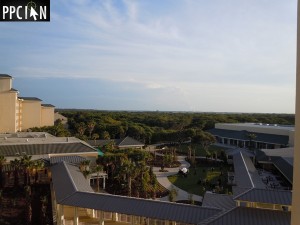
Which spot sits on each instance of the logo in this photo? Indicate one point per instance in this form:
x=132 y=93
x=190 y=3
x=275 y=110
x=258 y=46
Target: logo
x=25 y=11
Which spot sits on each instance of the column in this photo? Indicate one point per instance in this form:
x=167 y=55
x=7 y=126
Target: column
x=101 y=218
x=76 y=219
x=103 y=182
x=61 y=217
x=132 y=220
x=115 y=217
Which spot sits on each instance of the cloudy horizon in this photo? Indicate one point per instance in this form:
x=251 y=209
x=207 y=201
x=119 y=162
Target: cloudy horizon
x=171 y=55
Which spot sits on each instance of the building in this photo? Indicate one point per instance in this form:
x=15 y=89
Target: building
x=121 y=143
x=21 y=113
x=254 y=135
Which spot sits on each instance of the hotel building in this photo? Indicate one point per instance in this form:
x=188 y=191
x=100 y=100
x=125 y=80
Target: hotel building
x=21 y=113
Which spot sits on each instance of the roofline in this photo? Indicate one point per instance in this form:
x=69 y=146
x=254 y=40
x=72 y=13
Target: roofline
x=247 y=170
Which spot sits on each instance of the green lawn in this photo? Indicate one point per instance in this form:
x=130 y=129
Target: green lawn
x=190 y=183
x=199 y=150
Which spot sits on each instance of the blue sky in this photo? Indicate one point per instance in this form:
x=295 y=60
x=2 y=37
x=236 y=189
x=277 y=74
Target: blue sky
x=185 y=55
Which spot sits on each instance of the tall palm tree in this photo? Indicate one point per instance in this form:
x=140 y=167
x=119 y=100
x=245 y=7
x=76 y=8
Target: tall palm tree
x=16 y=164
x=130 y=171
x=91 y=125
x=95 y=137
x=37 y=165
x=97 y=169
x=2 y=162
x=26 y=164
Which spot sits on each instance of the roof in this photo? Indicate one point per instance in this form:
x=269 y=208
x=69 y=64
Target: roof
x=251 y=216
x=218 y=201
x=15 y=90
x=77 y=192
x=285 y=166
x=243 y=135
x=43 y=149
x=5 y=76
x=67 y=180
x=74 y=159
x=48 y=105
x=282 y=159
x=123 y=142
x=246 y=175
x=30 y=99
x=278 y=197
x=128 y=141
x=281 y=152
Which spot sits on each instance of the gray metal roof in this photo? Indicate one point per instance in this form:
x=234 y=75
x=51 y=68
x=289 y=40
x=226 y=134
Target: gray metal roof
x=48 y=105
x=123 y=142
x=43 y=149
x=5 y=76
x=252 y=216
x=30 y=98
x=67 y=180
x=141 y=207
x=279 y=197
x=285 y=166
x=218 y=201
x=282 y=159
x=246 y=175
x=128 y=141
x=243 y=135
x=74 y=159
x=71 y=188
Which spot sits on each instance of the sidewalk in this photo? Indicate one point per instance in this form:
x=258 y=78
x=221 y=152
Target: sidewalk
x=162 y=178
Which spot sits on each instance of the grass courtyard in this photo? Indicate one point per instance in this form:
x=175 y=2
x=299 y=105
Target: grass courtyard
x=202 y=179
x=199 y=150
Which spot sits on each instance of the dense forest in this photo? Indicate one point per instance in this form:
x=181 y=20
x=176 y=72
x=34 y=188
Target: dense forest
x=154 y=127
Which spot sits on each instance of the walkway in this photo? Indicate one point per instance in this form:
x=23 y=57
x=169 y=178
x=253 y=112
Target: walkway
x=162 y=178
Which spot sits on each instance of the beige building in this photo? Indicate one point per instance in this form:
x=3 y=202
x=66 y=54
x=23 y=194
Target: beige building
x=21 y=113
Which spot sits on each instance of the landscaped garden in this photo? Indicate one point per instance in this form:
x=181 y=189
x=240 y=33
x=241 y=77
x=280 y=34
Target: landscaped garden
x=206 y=176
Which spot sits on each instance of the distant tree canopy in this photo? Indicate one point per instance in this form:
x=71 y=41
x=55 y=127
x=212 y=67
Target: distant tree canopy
x=154 y=127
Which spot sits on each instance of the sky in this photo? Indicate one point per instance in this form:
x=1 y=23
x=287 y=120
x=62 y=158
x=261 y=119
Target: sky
x=166 y=55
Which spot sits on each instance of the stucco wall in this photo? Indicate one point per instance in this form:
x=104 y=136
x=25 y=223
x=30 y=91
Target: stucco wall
x=31 y=114
x=8 y=101
x=47 y=117
x=5 y=84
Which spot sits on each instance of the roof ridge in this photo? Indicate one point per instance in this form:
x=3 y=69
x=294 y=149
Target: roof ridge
x=242 y=155
x=216 y=216
x=243 y=193
x=123 y=140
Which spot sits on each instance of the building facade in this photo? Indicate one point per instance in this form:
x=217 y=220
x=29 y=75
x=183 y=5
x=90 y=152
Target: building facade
x=254 y=135
x=21 y=113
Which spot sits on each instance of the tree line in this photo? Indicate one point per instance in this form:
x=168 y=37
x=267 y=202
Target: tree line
x=154 y=127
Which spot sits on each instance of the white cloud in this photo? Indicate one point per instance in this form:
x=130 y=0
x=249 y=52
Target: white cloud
x=184 y=49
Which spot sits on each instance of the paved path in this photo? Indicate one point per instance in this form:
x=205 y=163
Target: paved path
x=162 y=178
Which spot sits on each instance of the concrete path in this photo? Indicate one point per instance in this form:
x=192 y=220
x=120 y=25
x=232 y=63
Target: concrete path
x=162 y=178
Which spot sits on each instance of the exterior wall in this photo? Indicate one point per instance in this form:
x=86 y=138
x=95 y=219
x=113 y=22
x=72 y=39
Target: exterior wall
x=5 y=84
x=47 y=117
x=277 y=130
x=31 y=116
x=8 y=104
x=295 y=220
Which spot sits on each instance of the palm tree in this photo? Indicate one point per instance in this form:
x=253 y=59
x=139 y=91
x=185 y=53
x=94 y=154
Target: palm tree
x=91 y=125
x=85 y=165
x=81 y=128
x=95 y=137
x=251 y=138
x=16 y=164
x=2 y=162
x=97 y=169
x=26 y=164
x=37 y=165
x=130 y=171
